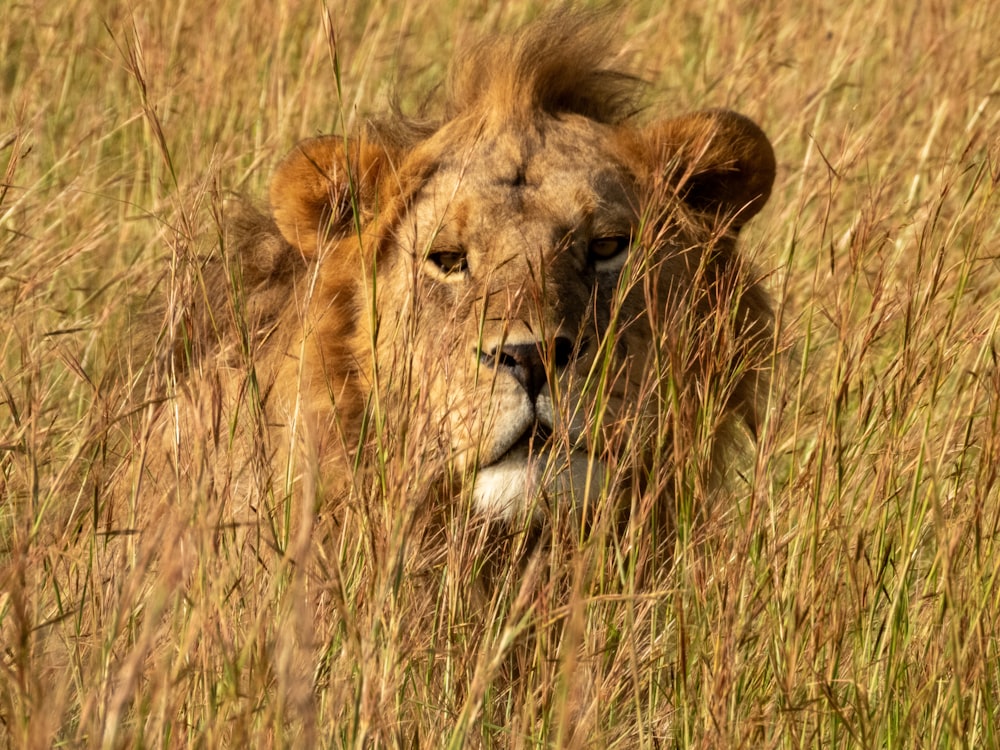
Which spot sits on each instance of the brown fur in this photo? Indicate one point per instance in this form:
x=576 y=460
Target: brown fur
x=533 y=170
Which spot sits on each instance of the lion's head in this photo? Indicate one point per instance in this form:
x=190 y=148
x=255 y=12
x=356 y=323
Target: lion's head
x=533 y=285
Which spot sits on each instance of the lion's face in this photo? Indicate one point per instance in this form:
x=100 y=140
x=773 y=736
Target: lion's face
x=514 y=288
x=499 y=284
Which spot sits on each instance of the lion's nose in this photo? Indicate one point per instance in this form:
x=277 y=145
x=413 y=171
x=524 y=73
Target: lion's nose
x=527 y=362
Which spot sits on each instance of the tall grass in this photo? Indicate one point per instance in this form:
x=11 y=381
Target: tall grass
x=844 y=593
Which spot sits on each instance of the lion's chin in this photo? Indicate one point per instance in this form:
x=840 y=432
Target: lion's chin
x=520 y=485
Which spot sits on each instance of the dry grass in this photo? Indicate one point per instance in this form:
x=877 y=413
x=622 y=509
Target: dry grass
x=845 y=594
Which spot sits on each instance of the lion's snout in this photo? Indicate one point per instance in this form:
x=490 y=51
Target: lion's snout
x=530 y=455
x=531 y=364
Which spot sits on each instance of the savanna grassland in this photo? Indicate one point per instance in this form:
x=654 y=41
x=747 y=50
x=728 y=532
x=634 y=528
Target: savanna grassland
x=843 y=592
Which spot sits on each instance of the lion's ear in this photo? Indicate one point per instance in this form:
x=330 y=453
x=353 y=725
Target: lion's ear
x=323 y=186
x=719 y=161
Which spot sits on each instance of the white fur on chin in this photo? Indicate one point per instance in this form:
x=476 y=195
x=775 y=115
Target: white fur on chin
x=513 y=487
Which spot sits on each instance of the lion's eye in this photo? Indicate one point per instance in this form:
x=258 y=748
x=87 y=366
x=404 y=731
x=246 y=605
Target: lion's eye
x=606 y=248
x=449 y=261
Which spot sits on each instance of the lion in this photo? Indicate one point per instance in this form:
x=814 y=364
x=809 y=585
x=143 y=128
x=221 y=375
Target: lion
x=530 y=298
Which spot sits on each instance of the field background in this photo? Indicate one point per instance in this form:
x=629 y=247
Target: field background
x=846 y=595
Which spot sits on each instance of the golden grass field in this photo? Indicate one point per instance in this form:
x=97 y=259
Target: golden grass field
x=844 y=593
